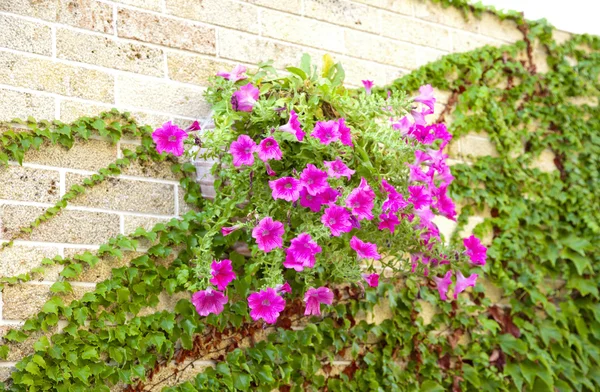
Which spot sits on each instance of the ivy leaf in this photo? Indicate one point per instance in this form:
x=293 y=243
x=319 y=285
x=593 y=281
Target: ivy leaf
x=431 y=386
x=61 y=287
x=241 y=381
x=53 y=305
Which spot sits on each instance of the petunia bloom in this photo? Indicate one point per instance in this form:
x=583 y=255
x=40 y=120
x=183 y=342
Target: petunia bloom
x=209 y=301
x=169 y=138
x=364 y=250
x=326 y=131
x=426 y=98
x=443 y=284
x=372 y=279
x=266 y=305
x=361 y=201
x=269 y=149
x=404 y=126
x=419 y=196
x=195 y=126
x=338 y=169
x=228 y=230
x=444 y=203
x=309 y=201
x=243 y=100
x=283 y=288
x=345 y=135
x=222 y=273
x=388 y=221
x=301 y=253
x=313 y=180
x=314 y=298
x=268 y=234
x=235 y=75
x=395 y=201
x=243 y=151
x=368 y=85
x=475 y=251
x=337 y=219
x=293 y=126
x=462 y=283
x=286 y=188
x=329 y=196
x=270 y=172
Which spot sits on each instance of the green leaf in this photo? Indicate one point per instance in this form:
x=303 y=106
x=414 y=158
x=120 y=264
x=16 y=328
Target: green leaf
x=53 y=305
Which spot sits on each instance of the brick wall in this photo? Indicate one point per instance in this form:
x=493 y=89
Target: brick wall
x=67 y=58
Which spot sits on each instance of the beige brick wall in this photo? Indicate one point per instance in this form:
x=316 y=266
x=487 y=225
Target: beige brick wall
x=67 y=58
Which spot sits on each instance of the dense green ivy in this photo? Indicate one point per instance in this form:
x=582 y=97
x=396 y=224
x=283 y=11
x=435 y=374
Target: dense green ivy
x=544 y=257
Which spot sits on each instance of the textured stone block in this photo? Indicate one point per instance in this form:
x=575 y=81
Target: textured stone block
x=126 y=195
x=545 y=162
x=74 y=227
x=463 y=42
x=107 y=52
x=72 y=110
x=383 y=50
x=448 y=16
x=16 y=104
x=228 y=13
x=20 y=259
x=103 y=269
x=85 y=155
x=132 y=223
x=291 y=6
x=358 y=70
x=20 y=34
x=20 y=350
x=302 y=31
x=477 y=146
x=149 y=168
x=5 y=372
x=345 y=13
x=165 y=31
x=415 y=31
x=47 y=75
x=400 y=6
x=189 y=68
x=27 y=184
x=153 y=5
x=505 y=30
x=161 y=95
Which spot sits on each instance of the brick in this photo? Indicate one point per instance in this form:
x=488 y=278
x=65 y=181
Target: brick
x=26 y=300
x=107 y=52
x=74 y=227
x=126 y=195
x=477 y=146
x=189 y=68
x=150 y=168
x=345 y=13
x=400 y=6
x=72 y=110
x=505 y=30
x=27 y=184
x=357 y=70
x=18 y=351
x=382 y=50
x=426 y=55
x=448 y=16
x=165 y=31
x=85 y=155
x=16 y=104
x=153 y=5
x=162 y=96
x=47 y=75
x=291 y=6
x=561 y=36
x=5 y=372
x=19 y=34
x=174 y=374
x=415 y=31
x=103 y=269
x=545 y=161
x=132 y=223
x=228 y=13
x=302 y=31
x=463 y=42
x=446 y=227
x=21 y=259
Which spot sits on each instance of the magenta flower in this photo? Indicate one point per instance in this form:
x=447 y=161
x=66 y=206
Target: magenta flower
x=195 y=126
x=426 y=218
x=417 y=174
x=404 y=126
x=419 y=196
x=268 y=234
x=338 y=169
x=419 y=117
x=293 y=126
x=426 y=97
x=222 y=273
x=301 y=253
x=345 y=135
x=286 y=188
x=283 y=288
x=313 y=180
x=235 y=75
x=228 y=230
x=372 y=280
x=314 y=298
x=444 y=203
x=388 y=221
x=368 y=85
x=395 y=201
x=475 y=251
x=462 y=283
x=243 y=100
x=242 y=151
x=364 y=250
x=443 y=284
x=441 y=133
x=269 y=149
x=337 y=219
x=209 y=301
x=326 y=131
x=421 y=156
x=309 y=201
x=329 y=196
x=169 y=138
x=266 y=305
x=270 y=172
x=360 y=201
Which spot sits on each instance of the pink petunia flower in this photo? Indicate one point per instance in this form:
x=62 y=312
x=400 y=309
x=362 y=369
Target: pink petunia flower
x=209 y=301
x=337 y=219
x=269 y=149
x=243 y=151
x=293 y=126
x=195 y=126
x=268 y=234
x=417 y=174
x=235 y=75
x=313 y=180
x=286 y=188
x=338 y=169
x=395 y=201
x=301 y=253
x=475 y=251
x=426 y=97
x=368 y=85
x=329 y=196
x=419 y=196
x=326 y=131
x=243 y=100
x=419 y=117
x=283 y=288
x=404 y=126
x=361 y=201
x=345 y=135
x=228 y=230
x=309 y=201
x=270 y=172
x=222 y=273
x=266 y=305
x=462 y=283
x=444 y=203
x=372 y=279
x=443 y=284
x=364 y=250
x=169 y=138
x=441 y=133
x=426 y=217
x=388 y=221
x=314 y=298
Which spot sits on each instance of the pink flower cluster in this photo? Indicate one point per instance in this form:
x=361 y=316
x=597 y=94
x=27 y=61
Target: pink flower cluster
x=212 y=301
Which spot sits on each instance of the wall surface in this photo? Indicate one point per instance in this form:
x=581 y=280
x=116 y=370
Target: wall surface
x=67 y=58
